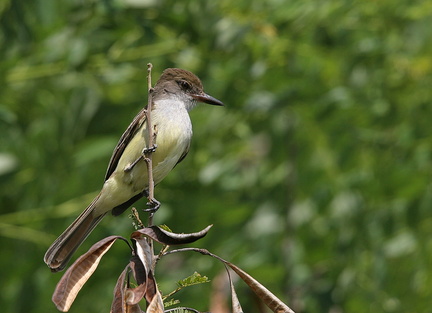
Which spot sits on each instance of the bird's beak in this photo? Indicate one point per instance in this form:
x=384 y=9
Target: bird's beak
x=203 y=97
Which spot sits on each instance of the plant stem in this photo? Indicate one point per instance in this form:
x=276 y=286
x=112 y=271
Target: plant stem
x=150 y=144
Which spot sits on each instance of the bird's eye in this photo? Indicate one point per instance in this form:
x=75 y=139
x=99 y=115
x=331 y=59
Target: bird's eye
x=184 y=84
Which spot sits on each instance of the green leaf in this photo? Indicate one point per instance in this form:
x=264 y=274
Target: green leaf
x=193 y=279
x=171 y=302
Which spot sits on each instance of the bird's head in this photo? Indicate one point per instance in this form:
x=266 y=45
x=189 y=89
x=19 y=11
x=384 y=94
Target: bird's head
x=184 y=85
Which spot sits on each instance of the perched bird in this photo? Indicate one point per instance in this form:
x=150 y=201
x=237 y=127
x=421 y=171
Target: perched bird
x=176 y=92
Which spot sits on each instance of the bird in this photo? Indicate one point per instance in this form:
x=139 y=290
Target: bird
x=176 y=92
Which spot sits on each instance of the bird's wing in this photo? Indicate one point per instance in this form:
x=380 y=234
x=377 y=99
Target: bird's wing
x=185 y=152
x=136 y=124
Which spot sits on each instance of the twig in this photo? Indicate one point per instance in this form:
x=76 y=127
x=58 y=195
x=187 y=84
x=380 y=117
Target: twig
x=182 y=308
x=199 y=250
x=162 y=252
x=151 y=137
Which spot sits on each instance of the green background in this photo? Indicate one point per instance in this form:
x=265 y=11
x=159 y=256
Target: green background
x=316 y=173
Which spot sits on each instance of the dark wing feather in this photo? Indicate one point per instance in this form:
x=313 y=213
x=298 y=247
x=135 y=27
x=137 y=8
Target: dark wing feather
x=137 y=122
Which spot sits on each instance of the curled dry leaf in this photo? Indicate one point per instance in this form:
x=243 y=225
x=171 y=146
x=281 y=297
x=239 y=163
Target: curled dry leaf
x=138 y=270
x=79 y=272
x=151 y=287
x=118 y=304
x=236 y=306
x=144 y=253
x=126 y=299
x=131 y=308
x=134 y=295
x=144 y=260
x=273 y=302
x=168 y=238
x=156 y=304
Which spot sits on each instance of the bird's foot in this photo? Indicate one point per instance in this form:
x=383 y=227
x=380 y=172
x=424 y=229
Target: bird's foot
x=145 y=151
x=149 y=149
x=152 y=206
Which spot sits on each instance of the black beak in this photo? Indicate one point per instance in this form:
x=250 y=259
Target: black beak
x=203 y=97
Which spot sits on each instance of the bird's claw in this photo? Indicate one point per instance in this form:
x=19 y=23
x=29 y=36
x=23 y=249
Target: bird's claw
x=145 y=151
x=152 y=206
x=149 y=149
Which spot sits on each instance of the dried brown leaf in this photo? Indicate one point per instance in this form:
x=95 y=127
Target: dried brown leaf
x=131 y=308
x=135 y=295
x=156 y=304
x=118 y=304
x=273 y=302
x=141 y=265
x=79 y=272
x=168 y=238
x=138 y=270
x=236 y=306
x=135 y=308
x=145 y=254
x=151 y=289
x=126 y=299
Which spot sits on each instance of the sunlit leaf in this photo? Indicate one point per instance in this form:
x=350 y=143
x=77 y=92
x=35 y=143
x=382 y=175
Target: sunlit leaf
x=79 y=272
x=194 y=279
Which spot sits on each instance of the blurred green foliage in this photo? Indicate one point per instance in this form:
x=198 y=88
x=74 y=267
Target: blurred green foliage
x=316 y=174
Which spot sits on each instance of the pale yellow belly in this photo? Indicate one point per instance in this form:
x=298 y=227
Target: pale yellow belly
x=123 y=185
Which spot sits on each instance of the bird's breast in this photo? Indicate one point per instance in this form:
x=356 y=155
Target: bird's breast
x=173 y=130
x=173 y=134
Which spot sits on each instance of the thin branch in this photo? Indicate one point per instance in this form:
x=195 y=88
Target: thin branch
x=150 y=143
x=174 y=292
x=199 y=250
x=273 y=302
x=149 y=83
x=161 y=253
x=182 y=308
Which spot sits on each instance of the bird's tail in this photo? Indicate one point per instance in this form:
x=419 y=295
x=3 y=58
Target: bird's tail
x=62 y=249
